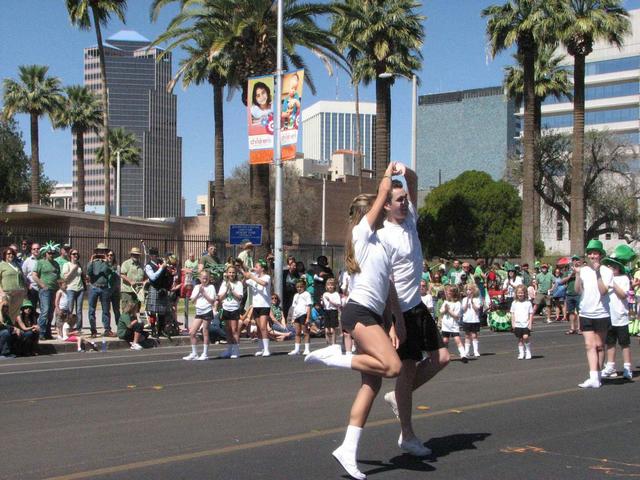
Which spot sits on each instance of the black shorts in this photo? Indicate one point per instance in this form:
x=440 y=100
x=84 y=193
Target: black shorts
x=450 y=334
x=595 y=324
x=331 y=318
x=207 y=317
x=301 y=319
x=422 y=334
x=521 y=332
x=618 y=335
x=260 y=311
x=572 y=303
x=354 y=313
x=473 y=327
x=230 y=315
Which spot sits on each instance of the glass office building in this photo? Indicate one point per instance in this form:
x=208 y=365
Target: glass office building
x=328 y=126
x=139 y=103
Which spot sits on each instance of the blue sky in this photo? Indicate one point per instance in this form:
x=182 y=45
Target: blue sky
x=39 y=32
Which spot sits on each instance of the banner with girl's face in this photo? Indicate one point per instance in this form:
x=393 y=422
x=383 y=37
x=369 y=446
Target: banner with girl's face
x=260 y=116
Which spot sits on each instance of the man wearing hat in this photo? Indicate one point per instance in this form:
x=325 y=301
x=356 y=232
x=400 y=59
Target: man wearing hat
x=592 y=284
x=46 y=275
x=132 y=276
x=99 y=272
x=545 y=282
x=572 y=298
x=160 y=281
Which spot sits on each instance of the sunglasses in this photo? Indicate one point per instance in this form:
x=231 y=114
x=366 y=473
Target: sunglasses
x=74 y=253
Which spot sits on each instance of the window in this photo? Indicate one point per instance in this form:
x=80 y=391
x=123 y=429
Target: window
x=594 y=117
x=595 y=92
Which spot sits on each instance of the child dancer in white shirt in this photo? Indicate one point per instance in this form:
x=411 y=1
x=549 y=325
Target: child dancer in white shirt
x=451 y=313
x=522 y=322
x=301 y=313
x=471 y=306
x=204 y=296
x=331 y=304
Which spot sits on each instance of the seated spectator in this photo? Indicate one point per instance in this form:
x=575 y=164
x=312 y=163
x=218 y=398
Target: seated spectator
x=217 y=333
x=68 y=332
x=316 y=325
x=7 y=332
x=29 y=335
x=130 y=328
x=279 y=328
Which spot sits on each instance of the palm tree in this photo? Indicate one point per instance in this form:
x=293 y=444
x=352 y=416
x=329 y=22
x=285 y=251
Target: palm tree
x=584 y=22
x=37 y=95
x=81 y=14
x=82 y=112
x=124 y=147
x=522 y=22
x=550 y=79
x=245 y=42
x=388 y=35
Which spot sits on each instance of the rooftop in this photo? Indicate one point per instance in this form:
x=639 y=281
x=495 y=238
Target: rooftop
x=128 y=36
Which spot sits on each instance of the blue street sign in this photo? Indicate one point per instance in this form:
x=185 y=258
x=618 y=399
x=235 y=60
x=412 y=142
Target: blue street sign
x=242 y=233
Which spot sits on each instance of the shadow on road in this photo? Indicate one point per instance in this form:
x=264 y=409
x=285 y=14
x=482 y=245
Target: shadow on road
x=443 y=446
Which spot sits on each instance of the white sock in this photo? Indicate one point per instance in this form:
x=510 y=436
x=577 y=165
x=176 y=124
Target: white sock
x=296 y=347
x=594 y=376
x=461 y=351
x=205 y=349
x=467 y=347
x=265 y=344
x=527 y=347
x=193 y=350
x=475 y=346
x=627 y=366
x=611 y=366
x=306 y=347
x=339 y=360
x=351 y=440
x=521 y=349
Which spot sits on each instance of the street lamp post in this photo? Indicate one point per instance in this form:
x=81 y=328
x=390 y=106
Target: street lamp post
x=277 y=160
x=118 y=184
x=414 y=114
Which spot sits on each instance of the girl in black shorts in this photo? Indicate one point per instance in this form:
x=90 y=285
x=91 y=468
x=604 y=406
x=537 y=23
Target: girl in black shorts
x=331 y=304
x=230 y=295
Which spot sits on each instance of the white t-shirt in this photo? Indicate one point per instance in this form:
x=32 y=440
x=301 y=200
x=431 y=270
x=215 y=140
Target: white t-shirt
x=449 y=322
x=510 y=286
x=403 y=245
x=619 y=308
x=231 y=303
x=520 y=312
x=428 y=301
x=469 y=314
x=592 y=303
x=202 y=305
x=300 y=303
x=330 y=300
x=261 y=295
x=370 y=287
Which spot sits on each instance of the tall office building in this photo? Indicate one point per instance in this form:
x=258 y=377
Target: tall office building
x=328 y=126
x=138 y=102
x=463 y=130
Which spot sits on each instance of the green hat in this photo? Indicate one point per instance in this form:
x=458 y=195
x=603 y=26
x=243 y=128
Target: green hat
x=49 y=247
x=537 y=264
x=623 y=253
x=614 y=263
x=26 y=304
x=575 y=256
x=262 y=262
x=595 y=244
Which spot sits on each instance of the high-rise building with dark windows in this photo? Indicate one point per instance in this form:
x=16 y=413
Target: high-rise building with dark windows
x=139 y=103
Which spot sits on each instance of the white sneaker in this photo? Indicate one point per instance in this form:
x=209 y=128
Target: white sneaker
x=521 y=356
x=588 y=383
x=477 y=354
x=527 y=355
x=136 y=346
x=319 y=356
x=627 y=374
x=259 y=353
x=266 y=353
x=348 y=463
x=306 y=352
x=390 y=398
x=413 y=447
x=608 y=373
x=204 y=356
x=191 y=356
x=294 y=352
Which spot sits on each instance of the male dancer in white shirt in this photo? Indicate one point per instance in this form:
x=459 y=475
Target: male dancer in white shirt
x=400 y=238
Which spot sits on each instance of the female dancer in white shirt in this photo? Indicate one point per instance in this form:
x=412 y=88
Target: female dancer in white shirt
x=370 y=268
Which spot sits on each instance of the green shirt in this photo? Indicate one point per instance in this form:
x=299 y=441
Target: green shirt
x=49 y=273
x=133 y=271
x=99 y=273
x=123 y=324
x=571 y=285
x=61 y=261
x=10 y=277
x=545 y=282
x=478 y=275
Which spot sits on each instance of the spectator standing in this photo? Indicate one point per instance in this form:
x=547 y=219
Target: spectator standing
x=98 y=274
x=290 y=278
x=321 y=274
x=28 y=266
x=526 y=276
x=544 y=281
x=455 y=272
x=558 y=294
x=307 y=277
x=12 y=284
x=115 y=283
x=572 y=298
x=46 y=275
x=73 y=275
x=131 y=278
x=24 y=253
x=64 y=256
x=212 y=264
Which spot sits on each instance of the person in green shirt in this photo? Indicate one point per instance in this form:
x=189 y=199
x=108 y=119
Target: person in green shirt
x=46 y=275
x=12 y=284
x=64 y=256
x=130 y=328
x=132 y=278
x=572 y=297
x=544 y=280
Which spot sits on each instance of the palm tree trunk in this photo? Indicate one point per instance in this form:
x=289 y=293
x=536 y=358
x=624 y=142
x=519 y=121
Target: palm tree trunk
x=358 y=161
x=80 y=168
x=219 y=155
x=527 y=245
x=383 y=132
x=576 y=226
x=537 y=201
x=105 y=130
x=35 y=160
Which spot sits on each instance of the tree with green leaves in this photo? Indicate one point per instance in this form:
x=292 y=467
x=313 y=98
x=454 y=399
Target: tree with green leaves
x=82 y=14
x=471 y=216
x=387 y=36
x=583 y=22
x=523 y=23
x=35 y=94
x=80 y=111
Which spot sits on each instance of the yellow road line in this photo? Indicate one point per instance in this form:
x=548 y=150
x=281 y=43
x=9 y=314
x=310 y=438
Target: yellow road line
x=293 y=438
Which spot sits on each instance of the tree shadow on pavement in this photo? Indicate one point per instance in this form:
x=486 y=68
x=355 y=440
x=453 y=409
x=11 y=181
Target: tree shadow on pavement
x=443 y=446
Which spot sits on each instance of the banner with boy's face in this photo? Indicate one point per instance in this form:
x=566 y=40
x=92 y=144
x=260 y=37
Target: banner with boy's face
x=260 y=116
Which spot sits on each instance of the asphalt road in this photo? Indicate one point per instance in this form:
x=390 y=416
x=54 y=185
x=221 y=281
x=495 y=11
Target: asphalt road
x=150 y=415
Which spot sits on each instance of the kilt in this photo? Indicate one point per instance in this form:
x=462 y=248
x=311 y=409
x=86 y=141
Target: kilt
x=158 y=302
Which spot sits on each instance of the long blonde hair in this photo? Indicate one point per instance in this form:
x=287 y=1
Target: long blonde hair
x=360 y=206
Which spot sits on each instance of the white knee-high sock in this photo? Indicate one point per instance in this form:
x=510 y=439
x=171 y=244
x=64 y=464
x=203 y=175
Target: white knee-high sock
x=265 y=344
x=475 y=346
x=351 y=440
